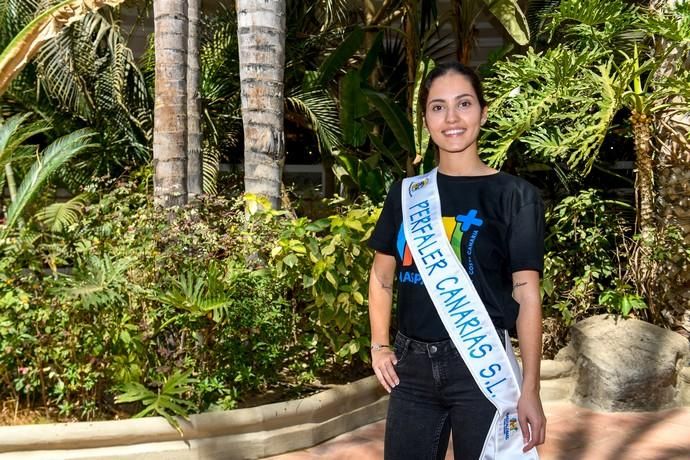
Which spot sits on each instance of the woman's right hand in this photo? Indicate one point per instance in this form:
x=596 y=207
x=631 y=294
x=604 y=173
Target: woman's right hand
x=383 y=361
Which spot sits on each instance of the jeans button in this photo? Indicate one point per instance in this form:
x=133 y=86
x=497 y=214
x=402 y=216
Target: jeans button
x=433 y=349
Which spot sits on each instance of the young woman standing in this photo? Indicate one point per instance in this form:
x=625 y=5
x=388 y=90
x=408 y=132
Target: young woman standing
x=445 y=371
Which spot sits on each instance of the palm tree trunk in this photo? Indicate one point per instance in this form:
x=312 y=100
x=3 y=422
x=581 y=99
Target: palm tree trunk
x=261 y=37
x=170 y=110
x=464 y=18
x=672 y=131
x=194 y=161
x=644 y=185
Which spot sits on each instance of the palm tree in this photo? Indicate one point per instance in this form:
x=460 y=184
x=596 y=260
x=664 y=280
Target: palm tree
x=82 y=74
x=560 y=104
x=15 y=155
x=466 y=12
x=194 y=168
x=671 y=127
x=261 y=37
x=170 y=108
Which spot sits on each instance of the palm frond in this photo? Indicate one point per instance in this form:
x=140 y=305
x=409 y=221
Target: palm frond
x=321 y=112
x=59 y=216
x=53 y=157
x=90 y=73
x=14 y=15
x=211 y=168
x=43 y=27
x=8 y=130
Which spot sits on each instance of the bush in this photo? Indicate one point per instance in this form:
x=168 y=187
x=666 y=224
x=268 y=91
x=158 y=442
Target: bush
x=586 y=266
x=134 y=301
x=328 y=264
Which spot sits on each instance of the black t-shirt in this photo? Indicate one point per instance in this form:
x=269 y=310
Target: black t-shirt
x=495 y=224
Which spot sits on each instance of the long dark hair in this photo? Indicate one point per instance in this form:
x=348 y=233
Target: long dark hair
x=446 y=68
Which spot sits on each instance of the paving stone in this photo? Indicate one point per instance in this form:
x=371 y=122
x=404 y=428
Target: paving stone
x=573 y=433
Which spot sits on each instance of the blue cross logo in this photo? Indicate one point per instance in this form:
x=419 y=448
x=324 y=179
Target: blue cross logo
x=468 y=220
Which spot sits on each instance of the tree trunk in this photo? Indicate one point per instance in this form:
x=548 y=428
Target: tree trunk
x=261 y=37
x=644 y=180
x=672 y=131
x=170 y=110
x=465 y=15
x=194 y=160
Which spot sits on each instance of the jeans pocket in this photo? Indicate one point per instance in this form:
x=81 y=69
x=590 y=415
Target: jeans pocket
x=400 y=354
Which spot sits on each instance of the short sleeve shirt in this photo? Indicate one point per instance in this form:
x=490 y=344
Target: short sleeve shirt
x=495 y=225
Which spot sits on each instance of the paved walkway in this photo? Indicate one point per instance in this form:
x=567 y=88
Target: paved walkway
x=572 y=433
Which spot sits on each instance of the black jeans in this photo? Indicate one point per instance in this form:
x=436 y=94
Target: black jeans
x=436 y=395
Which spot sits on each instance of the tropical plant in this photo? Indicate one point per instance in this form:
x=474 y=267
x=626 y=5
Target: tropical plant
x=328 y=263
x=100 y=87
x=587 y=267
x=168 y=401
x=43 y=27
x=557 y=106
x=13 y=154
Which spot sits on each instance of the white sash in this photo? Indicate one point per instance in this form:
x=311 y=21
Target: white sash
x=464 y=315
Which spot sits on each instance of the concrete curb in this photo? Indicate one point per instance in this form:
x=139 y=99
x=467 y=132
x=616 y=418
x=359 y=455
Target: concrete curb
x=250 y=433
x=238 y=434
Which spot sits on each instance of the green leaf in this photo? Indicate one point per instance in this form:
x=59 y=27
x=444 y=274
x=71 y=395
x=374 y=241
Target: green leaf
x=353 y=105
x=318 y=225
x=512 y=18
x=369 y=63
x=308 y=281
x=54 y=156
x=290 y=260
x=338 y=58
x=395 y=119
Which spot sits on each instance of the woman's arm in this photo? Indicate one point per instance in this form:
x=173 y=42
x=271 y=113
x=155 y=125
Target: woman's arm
x=380 y=304
x=530 y=411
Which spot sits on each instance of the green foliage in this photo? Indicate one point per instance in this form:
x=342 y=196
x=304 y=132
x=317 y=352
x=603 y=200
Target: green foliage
x=585 y=270
x=160 y=308
x=53 y=157
x=329 y=264
x=166 y=402
x=556 y=106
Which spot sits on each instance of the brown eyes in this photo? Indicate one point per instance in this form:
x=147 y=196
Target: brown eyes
x=461 y=105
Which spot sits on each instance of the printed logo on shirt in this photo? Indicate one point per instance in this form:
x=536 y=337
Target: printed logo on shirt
x=456 y=227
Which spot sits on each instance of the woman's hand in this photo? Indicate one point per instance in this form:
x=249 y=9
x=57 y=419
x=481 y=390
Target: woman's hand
x=532 y=419
x=383 y=361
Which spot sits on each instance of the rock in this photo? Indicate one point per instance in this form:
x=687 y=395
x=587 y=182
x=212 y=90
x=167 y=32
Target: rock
x=566 y=353
x=685 y=386
x=627 y=365
x=551 y=369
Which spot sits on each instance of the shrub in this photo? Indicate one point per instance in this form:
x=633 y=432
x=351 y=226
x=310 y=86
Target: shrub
x=185 y=310
x=586 y=264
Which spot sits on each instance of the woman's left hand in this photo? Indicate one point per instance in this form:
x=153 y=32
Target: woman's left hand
x=532 y=419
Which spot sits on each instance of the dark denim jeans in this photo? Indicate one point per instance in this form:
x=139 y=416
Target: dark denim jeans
x=436 y=395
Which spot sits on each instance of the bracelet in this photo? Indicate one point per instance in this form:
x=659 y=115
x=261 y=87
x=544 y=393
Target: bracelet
x=378 y=346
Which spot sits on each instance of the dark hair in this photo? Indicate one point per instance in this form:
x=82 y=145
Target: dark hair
x=446 y=68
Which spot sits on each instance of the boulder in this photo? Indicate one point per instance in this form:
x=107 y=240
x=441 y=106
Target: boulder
x=627 y=364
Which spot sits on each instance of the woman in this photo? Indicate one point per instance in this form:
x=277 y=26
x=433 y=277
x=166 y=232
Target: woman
x=494 y=223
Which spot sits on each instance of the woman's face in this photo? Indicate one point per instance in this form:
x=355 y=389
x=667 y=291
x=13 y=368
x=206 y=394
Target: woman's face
x=453 y=114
